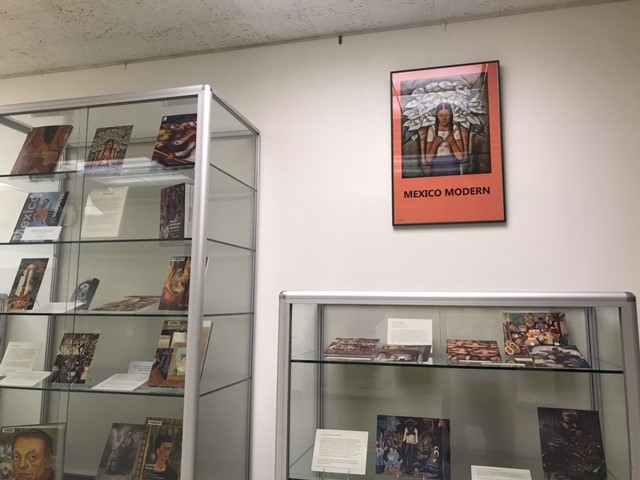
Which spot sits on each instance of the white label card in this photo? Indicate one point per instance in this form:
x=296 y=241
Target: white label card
x=480 y=472
x=340 y=451
x=20 y=356
x=122 y=382
x=410 y=331
x=140 y=368
x=103 y=212
x=32 y=234
x=24 y=379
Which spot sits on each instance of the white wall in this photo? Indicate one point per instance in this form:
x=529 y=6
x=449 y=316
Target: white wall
x=570 y=109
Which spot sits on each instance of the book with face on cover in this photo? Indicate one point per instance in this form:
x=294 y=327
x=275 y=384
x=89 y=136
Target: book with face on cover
x=74 y=357
x=176 y=142
x=27 y=284
x=121 y=452
x=41 y=211
x=83 y=294
x=108 y=149
x=473 y=351
x=529 y=329
x=41 y=150
x=32 y=451
x=161 y=451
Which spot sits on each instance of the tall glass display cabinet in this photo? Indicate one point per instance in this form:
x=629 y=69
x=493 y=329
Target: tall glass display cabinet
x=127 y=238
x=458 y=386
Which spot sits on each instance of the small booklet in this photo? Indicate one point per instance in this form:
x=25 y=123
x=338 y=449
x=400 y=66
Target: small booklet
x=121 y=451
x=108 y=149
x=40 y=217
x=27 y=284
x=403 y=353
x=176 y=142
x=161 y=453
x=72 y=362
x=41 y=149
x=351 y=348
x=473 y=351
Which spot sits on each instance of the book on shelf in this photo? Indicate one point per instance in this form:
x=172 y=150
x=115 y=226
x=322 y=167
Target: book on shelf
x=176 y=142
x=83 y=294
x=529 y=329
x=351 y=348
x=403 y=353
x=176 y=211
x=32 y=451
x=120 y=452
x=552 y=356
x=131 y=303
x=571 y=444
x=27 y=283
x=74 y=357
x=41 y=149
x=41 y=211
x=161 y=451
x=175 y=291
x=170 y=364
x=412 y=447
x=473 y=351
x=108 y=149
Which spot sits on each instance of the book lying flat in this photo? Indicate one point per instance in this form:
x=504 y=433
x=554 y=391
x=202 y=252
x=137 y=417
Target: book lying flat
x=351 y=348
x=551 y=356
x=403 y=353
x=473 y=351
x=41 y=150
x=133 y=303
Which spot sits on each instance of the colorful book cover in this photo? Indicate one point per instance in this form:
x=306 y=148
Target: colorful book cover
x=355 y=348
x=121 y=451
x=175 y=211
x=176 y=142
x=175 y=291
x=473 y=351
x=40 y=210
x=27 y=284
x=73 y=360
x=412 y=447
x=403 y=353
x=551 y=356
x=32 y=451
x=160 y=455
x=41 y=150
x=571 y=444
x=108 y=149
x=529 y=329
x=132 y=303
x=84 y=292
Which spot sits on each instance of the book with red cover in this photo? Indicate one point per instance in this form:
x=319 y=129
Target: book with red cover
x=41 y=149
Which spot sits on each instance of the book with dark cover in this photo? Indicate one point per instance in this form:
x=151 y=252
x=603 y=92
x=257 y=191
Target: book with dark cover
x=27 y=284
x=170 y=363
x=41 y=150
x=132 y=303
x=176 y=204
x=160 y=454
x=551 y=356
x=351 y=348
x=121 y=452
x=571 y=444
x=412 y=447
x=108 y=149
x=84 y=292
x=21 y=444
x=529 y=329
x=176 y=142
x=473 y=351
x=175 y=291
x=39 y=210
x=403 y=353
x=72 y=362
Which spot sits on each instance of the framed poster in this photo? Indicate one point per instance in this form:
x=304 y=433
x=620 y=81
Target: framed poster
x=447 y=145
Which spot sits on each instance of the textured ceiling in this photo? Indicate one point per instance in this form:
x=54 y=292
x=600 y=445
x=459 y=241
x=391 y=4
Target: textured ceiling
x=39 y=36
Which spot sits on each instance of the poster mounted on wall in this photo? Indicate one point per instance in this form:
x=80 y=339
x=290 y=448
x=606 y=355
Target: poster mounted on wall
x=447 y=145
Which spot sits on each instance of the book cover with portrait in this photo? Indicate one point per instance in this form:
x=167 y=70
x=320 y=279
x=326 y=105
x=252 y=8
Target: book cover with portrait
x=176 y=142
x=108 y=149
x=41 y=150
x=175 y=291
x=120 y=452
x=40 y=209
x=161 y=452
x=44 y=442
x=26 y=284
x=74 y=357
x=84 y=292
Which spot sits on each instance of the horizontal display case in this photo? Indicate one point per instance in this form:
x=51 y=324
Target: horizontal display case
x=458 y=385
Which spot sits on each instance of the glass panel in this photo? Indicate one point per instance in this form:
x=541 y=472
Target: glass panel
x=229 y=280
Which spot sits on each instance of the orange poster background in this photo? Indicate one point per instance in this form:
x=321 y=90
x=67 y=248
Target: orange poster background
x=454 y=208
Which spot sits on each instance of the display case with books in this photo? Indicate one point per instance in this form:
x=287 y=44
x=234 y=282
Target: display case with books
x=123 y=217
x=458 y=386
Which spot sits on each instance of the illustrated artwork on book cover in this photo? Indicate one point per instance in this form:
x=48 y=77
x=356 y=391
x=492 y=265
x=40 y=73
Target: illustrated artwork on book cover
x=571 y=444
x=175 y=291
x=27 y=284
x=551 y=356
x=403 y=353
x=39 y=210
x=132 y=303
x=121 y=451
x=473 y=351
x=32 y=452
x=41 y=149
x=176 y=142
x=84 y=292
x=108 y=149
x=160 y=455
x=72 y=362
x=529 y=329
x=351 y=348
x=412 y=447
x=175 y=211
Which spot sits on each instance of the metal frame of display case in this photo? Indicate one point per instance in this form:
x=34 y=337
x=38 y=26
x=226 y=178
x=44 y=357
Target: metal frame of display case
x=206 y=97
x=623 y=301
